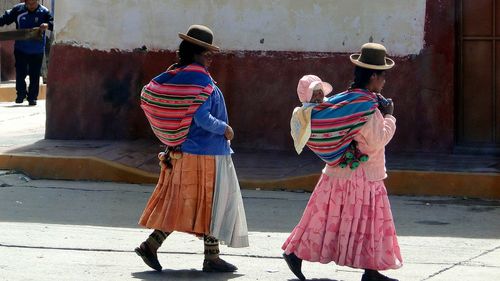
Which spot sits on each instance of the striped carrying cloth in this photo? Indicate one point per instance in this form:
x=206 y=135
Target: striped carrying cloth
x=335 y=122
x=171 y=99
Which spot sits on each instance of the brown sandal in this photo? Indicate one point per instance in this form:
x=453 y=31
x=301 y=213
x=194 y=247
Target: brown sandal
x=148 y=256
x=218 y=265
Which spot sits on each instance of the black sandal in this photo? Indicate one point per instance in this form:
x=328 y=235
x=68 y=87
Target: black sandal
x=295 y=265
x=373 y=275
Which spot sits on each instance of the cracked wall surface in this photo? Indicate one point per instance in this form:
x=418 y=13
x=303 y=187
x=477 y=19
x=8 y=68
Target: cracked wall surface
x=239 y=25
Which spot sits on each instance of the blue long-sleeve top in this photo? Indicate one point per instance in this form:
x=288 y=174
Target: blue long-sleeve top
x=206 y=133
x=25 y=19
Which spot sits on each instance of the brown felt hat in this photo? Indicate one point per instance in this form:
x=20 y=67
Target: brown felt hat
x=200 y=35
x=373 y=56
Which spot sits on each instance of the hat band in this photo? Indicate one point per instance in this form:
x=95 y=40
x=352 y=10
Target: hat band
x=388 y=63
x=199 y=42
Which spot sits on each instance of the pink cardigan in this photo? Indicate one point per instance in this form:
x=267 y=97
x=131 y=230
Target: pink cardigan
x=372 y=139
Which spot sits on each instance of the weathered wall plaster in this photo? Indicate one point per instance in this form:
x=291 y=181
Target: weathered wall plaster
x=257 y=25
x=93 y=93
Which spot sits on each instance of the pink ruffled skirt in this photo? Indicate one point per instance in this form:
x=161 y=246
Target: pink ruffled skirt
x=349 y=222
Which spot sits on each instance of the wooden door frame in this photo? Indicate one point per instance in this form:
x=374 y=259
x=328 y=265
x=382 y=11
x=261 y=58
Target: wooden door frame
x=459 y=108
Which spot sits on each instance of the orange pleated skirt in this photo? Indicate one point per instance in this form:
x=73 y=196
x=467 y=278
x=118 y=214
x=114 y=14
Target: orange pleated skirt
x=182 y=199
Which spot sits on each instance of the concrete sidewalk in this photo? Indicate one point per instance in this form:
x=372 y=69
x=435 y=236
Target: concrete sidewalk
x=71 y=230
x=23 y=147
x=8 y=90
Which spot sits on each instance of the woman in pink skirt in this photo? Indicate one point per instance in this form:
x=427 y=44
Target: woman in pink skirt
x=348 y=218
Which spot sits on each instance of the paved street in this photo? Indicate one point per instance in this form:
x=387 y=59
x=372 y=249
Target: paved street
x=66 y=230
x=21 y=124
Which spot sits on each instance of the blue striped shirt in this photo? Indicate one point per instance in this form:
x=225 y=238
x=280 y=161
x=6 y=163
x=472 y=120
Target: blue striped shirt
x=25 y=19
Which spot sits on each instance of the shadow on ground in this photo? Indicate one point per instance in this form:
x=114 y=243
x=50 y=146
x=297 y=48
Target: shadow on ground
x=184 y=274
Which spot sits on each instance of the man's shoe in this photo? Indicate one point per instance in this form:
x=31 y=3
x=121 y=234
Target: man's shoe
x=218 y=265
x=149 y=257
x=32 y=102
x=376 y=276
x=19 y=100
x=295 y=265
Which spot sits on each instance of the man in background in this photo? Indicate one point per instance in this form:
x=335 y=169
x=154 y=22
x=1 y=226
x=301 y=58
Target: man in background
x=28 y=53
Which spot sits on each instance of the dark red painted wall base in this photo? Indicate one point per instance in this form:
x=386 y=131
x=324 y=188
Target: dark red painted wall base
x=7 y=61
x=95 y=94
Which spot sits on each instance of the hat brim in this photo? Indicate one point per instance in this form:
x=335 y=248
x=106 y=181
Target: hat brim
x=389 y=63
x=325 y=86
x=199 y=43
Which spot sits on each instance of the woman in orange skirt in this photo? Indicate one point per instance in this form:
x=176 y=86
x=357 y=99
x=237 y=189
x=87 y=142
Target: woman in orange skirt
x=197 y=191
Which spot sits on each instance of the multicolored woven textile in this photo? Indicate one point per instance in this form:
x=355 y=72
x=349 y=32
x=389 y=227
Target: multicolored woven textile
x=171 y=99
x=335 y=122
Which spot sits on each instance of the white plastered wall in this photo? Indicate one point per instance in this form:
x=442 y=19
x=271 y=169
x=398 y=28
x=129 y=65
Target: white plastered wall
x=243 y=25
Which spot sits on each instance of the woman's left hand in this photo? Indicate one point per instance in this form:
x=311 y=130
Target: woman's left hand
x=229 y=133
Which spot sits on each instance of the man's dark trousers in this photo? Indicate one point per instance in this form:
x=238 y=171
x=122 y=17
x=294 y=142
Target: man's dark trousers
x=27 y=64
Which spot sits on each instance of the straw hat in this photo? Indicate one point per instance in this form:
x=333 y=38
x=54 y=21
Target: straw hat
x=373 y=56
x=200 y=35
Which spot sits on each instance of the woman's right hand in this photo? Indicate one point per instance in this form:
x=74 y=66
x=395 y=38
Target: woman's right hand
x=387 y=109
x=229 y=133
x=386 y=106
